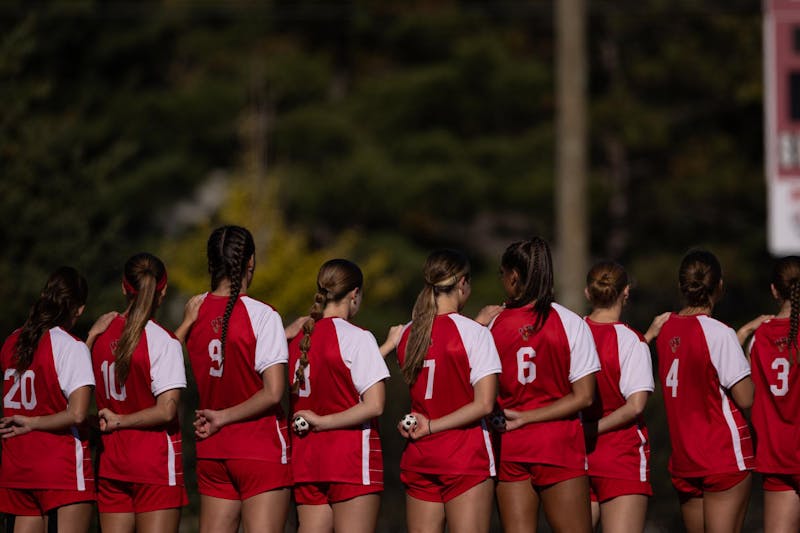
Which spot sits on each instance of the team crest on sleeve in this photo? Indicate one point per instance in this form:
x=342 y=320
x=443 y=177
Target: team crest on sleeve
x=526 y=331
x=216 y=324
x=674 y=343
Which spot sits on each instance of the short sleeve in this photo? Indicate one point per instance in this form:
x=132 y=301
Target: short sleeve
x=481 y=350
x=361 y=355
x=167 y=371
x=72 y=362
x=636 y=367
x=583 y=358
x=725 y=352
x=271 y=346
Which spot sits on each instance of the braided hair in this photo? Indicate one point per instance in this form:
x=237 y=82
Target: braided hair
x=533 y=263
x=335 y=280
x=786 y=280
x=698 y=278
x=443 y=270
x=64 y=293
x=229 y=250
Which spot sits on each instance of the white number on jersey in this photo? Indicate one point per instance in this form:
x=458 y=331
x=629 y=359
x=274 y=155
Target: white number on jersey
x=27 y=396
x=672 y=378
x=526 y=368
x=304 y=391
x=781 y=364
x=215 y=353
x=110 y=379
x=430 y=364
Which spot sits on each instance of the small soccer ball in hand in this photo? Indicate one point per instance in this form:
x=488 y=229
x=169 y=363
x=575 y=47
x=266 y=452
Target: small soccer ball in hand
x=408 y=422
x=300 y=425
x=498 y=421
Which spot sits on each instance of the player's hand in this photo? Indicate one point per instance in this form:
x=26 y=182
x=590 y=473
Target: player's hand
x=392 y=339
x=16 y=425
x=421 y=430
x=745 y=331
x=514 y=419
x=100 y=325
x=315 y=421
x=109 y=420
x=293 y=330
x=488 y=313
x=192 y=307
x=655 y=326
x=207 y=422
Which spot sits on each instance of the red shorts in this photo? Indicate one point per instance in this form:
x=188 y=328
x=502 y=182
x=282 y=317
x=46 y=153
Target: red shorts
x=439 y=488
x=540 y=475
x=115 y=496
x=239 y=479
x=602 y=489
x=781 y=482
x=31 y=502
x=694 y=487
x=326 y=493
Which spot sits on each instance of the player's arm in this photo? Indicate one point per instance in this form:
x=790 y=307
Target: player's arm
x=164 y=411
x=74 y=414
x=485 y=394
x=392 y=340
x=190 y=311
x=580 y=397
x=742 y=393
x=99 y=326
x=370 y=406
x=208 y=421
x=744 y=332
x=632 y=408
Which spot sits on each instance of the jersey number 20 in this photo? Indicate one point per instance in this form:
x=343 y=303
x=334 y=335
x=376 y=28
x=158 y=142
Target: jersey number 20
x=27 y=394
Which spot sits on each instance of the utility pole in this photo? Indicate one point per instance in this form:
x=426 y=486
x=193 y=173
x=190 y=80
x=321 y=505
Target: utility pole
x=572 y=232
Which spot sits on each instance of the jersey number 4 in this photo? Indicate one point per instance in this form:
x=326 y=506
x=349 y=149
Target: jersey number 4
x=672 y=378
x=23 y=386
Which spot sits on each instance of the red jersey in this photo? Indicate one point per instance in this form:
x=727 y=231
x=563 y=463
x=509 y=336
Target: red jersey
x=539 y=367
x=699 y=360
x=624 y=452
x=148 y=455
x=344 y=361
x=776 y=407
x=42 y=459
x=255 y=341
x=461 y=353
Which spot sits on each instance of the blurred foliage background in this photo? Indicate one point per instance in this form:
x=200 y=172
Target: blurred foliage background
x=375 y=131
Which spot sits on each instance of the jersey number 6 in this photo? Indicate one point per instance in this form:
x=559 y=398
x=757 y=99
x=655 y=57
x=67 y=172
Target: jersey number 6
x=526 y=368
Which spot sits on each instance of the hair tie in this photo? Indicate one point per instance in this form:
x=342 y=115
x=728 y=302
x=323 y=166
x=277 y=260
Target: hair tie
x=130 y=289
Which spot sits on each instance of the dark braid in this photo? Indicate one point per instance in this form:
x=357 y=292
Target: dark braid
x=63 y=294
x=534 y=265
x=794 y=317
x=229 y=250
x=786 y=281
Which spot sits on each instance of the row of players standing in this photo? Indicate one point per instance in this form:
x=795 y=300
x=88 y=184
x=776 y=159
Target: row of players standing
x=543 y=355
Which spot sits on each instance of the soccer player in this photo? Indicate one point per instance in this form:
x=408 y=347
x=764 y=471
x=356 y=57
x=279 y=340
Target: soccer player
x=617 y=443
x=337 y=386
x=139 y=368
x=549 y=364
x=46 y=478
x=450 y=364
x=238 y=353
x=706 y=381
x=775 y=358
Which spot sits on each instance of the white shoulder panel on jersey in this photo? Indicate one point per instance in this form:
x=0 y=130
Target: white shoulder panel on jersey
x=725 y=351
x=481 y=350
x=583 y=358
x=361 y=354
x=636 y=367
x=167 y=371
x=271 y=345
x=72 y=361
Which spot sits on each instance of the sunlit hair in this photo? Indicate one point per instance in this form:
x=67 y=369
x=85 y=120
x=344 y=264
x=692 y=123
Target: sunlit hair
x=144 y=277
x=605 y=283
x=229 y=250
x=699 y=277
x=442 y=272
x=533 y=263
x=786 y=280
x=63 y=294
x=335 y=280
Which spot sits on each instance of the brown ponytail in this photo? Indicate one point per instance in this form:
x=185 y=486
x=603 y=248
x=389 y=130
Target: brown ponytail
x=533 y=263
x=443 y=269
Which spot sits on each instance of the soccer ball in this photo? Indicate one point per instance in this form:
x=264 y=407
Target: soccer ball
x=408 y=422
x=498 y=421
x=300 y=425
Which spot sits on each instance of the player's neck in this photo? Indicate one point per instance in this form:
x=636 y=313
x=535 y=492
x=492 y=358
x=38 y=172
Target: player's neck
x=785 y=310
x=224 y=288
x=340 y=309
x=605 y=315
x=700 y=310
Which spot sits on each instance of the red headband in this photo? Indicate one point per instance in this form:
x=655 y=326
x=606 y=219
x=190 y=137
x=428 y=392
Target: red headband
x=130 y=289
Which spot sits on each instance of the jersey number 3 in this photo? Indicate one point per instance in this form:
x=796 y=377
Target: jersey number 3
x=781 y=364
x=27 y=394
